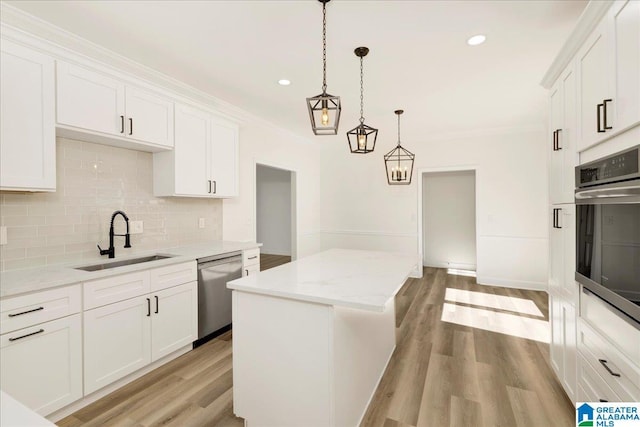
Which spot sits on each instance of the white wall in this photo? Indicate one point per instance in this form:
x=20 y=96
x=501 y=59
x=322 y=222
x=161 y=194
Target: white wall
x=449 y=219
x=260 y=143
x=273 y=210
x=511 y=182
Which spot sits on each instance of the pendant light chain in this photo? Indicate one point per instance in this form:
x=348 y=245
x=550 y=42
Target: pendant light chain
x=398 y=129
x=361 y=90
x=324 y=47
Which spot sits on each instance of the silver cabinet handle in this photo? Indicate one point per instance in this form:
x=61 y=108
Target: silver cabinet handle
x=253 y=257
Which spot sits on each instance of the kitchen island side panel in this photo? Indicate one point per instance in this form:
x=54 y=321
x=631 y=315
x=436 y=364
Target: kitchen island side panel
x=363 y=344
x=282 y=361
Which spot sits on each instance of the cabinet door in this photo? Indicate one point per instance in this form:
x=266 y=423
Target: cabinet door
x=556 y=251
x=569 y=349
x=41 y=366
x=556 y=344
x=250 y=270
x=555 y=157
x=625 y=35
x=90 y=100
x=27 y=139
x=224 y=159
x=117 y=341
x=567 y=137
x=174 y=319
x=149 y=117
x=568 y=237
x=594 y=70
x=192 y=151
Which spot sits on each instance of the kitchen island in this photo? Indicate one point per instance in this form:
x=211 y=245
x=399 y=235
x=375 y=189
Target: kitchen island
x=312 y=338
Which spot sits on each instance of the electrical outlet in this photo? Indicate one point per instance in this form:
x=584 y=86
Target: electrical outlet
x=135 y=227
x=201 y=223
x=3 y=235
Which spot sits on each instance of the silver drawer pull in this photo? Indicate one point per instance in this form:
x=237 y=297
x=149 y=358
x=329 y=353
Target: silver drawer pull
x=253 y=257
x=26 y=312
x=604 y=363
x=27 y=335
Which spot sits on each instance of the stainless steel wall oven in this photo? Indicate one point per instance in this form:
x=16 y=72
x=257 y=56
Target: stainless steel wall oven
x=608 y=229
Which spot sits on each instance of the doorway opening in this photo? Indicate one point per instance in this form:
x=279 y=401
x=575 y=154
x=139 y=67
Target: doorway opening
x=275 y=215
x=447 y=235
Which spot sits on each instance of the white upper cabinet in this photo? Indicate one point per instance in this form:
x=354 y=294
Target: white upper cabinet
x=99 y=105
x=149 y=117
x=609 y=75
x=27 y=127
x=224 y=158
x=90 y=100
x=204 y=161
x=563 y=157
x=624 y=21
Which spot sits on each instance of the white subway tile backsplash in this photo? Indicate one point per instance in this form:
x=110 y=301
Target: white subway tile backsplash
x=93 y=181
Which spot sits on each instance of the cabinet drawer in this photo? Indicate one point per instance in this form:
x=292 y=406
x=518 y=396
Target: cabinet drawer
x=591 y=386
x=619 y=329
x=250 y=270
x=173 y=275
x=117 y=288
x=251 y=257
x=41 y=366
x=618 y=371
x=28 y=310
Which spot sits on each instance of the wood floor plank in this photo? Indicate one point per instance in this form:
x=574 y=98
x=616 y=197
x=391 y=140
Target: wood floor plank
x=527 y=408
x=465 y=413
x=268 y=261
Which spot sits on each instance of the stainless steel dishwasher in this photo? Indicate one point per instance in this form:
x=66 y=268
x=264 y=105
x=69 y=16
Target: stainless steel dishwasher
x=214 y=299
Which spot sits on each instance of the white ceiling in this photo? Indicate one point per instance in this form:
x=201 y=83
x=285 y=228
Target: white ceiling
x=419 y=59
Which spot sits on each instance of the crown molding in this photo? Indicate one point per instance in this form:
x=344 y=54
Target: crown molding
x=29 y=30
x=587 y=22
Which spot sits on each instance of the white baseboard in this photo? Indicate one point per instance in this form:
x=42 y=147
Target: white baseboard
x=511 y=283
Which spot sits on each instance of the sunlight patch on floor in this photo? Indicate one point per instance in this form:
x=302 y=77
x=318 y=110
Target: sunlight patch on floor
x=519 y=305
x=503 y=323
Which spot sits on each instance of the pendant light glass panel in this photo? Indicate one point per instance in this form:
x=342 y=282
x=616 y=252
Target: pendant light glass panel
x=324 y=109
x=362 y=138
x=324 y=112
x=398 y=162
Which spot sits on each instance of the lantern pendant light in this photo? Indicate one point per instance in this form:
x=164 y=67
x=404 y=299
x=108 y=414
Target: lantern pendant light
x=399 y=162
x=324 y=109
x=362 y=138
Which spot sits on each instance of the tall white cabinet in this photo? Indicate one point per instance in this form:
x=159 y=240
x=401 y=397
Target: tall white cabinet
x=594 y=98
x=27 y=123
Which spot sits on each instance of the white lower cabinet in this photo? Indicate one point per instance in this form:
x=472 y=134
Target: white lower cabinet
x=41 y=366
x=174 y=320
x=117 y=342
x=123 y=337
x=562 y=316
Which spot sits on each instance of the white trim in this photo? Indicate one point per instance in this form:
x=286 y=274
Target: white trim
x=590 y=18
x=459 y=168
x=511 y=283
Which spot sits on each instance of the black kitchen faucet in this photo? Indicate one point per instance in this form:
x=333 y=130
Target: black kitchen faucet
x=127 y=243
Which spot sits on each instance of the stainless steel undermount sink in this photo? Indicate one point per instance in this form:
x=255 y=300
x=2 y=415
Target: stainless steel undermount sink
x=107 y=265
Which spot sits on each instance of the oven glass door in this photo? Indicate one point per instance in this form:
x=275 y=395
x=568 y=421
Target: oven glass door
x=608 y=246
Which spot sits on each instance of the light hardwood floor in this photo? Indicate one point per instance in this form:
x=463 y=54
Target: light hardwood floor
x=441 y=374
x=268 y=261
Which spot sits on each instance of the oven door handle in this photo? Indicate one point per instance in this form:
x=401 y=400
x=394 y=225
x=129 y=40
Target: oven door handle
x=617 y=192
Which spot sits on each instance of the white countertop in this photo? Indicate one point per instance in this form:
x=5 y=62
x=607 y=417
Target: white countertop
x=16 y=282
x=15 y=414
x=364 y=280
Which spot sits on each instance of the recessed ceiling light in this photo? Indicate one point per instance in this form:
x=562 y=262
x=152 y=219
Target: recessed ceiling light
x=284 y=82
x=476 y=40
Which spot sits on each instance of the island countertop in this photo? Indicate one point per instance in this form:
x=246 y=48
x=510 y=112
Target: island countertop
x=364 y=280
